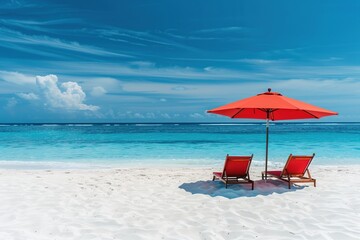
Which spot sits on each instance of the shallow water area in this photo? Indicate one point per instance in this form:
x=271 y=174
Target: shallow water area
x=184 y=144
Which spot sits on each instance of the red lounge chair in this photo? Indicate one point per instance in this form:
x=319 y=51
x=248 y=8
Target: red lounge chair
x=294 y=170
x=236 y=171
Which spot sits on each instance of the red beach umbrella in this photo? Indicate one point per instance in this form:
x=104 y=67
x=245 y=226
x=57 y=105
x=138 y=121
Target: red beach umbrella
x=271 y=106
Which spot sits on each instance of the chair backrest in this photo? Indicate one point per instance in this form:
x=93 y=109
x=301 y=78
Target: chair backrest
x=297 y=165
x=237 y=166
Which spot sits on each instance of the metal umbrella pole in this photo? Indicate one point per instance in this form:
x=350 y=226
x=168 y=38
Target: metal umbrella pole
x=267 y=143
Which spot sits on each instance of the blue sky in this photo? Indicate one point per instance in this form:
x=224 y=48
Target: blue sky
x=170 y=61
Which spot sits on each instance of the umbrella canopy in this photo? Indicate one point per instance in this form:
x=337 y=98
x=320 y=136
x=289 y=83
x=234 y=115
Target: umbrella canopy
x=271 y=106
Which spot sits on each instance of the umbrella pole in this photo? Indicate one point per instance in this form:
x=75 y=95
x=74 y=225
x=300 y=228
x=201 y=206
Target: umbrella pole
x=267 y=145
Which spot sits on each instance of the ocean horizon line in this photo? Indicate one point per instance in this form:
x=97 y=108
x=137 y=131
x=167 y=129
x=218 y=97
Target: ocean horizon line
x=174 y=123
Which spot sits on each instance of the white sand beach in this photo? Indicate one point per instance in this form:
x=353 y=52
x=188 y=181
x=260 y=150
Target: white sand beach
x=175 y=203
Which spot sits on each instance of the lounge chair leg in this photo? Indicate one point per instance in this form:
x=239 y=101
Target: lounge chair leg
x=252 y=186
x=288 y=179
x=262 y=176
x=213 y=178
x=314 y=182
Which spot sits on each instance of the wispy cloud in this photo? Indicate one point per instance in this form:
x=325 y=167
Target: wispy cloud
x=230 y=29
x=139 y=38
x=148 y=71
x=17 y=78
x=16 y=37
x=14 y=4
x=190 y=36
x=206 y=35
x=128 y=35
x=331 y=59
x=28 y=96
x=269 y=71
x=45 y=26
x=297 y=87
x=259 y=61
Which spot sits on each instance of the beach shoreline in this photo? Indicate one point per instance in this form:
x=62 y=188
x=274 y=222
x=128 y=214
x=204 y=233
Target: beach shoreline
x=175 y=203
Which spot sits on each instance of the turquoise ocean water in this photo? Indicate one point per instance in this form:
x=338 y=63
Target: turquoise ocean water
x=200 y=144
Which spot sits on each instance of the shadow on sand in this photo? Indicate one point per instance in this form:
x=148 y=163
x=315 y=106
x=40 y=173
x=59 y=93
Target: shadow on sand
x=217 y=188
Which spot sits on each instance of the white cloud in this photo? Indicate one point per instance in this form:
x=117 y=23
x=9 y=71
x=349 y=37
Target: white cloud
x=17 y=78
x=98 y=91
x=72 y=98
x=28 y=96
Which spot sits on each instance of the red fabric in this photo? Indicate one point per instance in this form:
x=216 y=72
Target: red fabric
x=275 y=173
x=297 y=165
x=283 y=108
x=236 y=166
